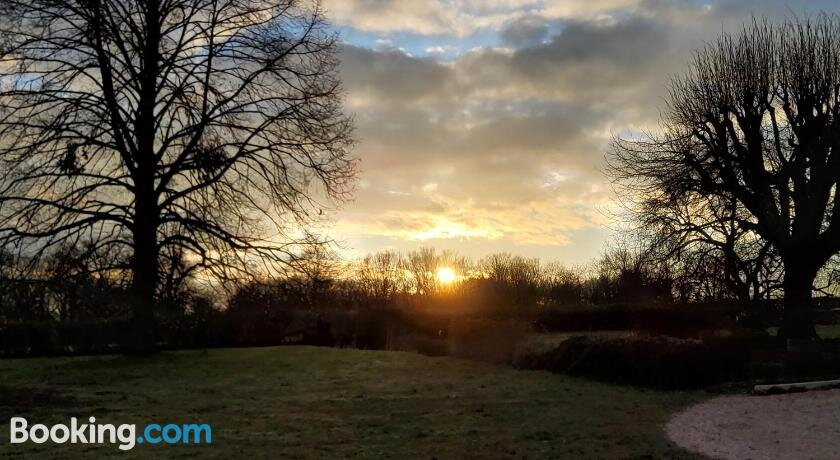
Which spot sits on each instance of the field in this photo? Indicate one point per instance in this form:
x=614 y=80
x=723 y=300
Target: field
x=330 y=403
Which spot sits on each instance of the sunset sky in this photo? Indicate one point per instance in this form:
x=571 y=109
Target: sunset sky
x=482 y=124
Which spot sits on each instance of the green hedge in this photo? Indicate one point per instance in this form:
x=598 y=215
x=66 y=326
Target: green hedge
x=656 y=362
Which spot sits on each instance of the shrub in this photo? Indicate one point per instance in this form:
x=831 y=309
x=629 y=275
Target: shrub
x=675 y=320
x=657 y=362
x=48 y=338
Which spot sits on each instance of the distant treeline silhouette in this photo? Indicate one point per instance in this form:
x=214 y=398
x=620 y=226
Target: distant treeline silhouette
x=64 y=305
x=187 y=150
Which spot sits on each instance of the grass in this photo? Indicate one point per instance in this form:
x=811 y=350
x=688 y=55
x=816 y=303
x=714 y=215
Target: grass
x=329 y=403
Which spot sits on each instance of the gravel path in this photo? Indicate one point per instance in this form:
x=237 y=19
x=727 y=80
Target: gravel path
x=786 y=426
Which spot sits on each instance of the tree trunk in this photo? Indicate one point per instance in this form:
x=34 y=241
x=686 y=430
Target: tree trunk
x=146 y=212
x=798 y=321
x=145 y=273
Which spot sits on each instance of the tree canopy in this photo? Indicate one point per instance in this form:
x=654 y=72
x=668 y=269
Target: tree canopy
x=754 y=122
x=172 y=131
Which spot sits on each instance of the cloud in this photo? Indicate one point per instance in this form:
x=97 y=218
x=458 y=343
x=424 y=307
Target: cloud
x=461 y=18
x=585 y=9
x=594 y=62
x=391 y=74
x=426 y=17
x=500 y=146
x=526 y=31
x=494 y=160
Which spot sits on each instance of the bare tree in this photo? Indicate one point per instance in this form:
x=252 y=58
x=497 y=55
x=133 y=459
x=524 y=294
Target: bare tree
x=519 y=277
x=209 y=126
x=702 y=237
x=561 y=285
x=381 y=276
x=421 y=266
x=629 y=271
x=756 y=119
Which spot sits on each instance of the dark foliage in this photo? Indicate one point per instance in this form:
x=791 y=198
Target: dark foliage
x=744 y=169
x=657 y=362
x=199 y=134
x=674 y=320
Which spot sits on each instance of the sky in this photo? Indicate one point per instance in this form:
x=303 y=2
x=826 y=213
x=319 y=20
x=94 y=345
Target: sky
x=482 y=124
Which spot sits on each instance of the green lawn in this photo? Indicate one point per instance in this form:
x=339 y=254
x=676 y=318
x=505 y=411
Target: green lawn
x=329 y=403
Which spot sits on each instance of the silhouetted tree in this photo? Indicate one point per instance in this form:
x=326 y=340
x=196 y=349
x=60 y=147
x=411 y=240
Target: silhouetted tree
x=208 y=126
x=422 y=266
x=561 y=285
x=517 y=279
x=630 y=272
x=381 y=276
x=703 y=239
x=756 y=120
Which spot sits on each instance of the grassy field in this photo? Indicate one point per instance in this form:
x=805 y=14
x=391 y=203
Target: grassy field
x=329 y=403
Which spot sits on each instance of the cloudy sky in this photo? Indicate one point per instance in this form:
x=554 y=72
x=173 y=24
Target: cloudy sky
x=482 y=124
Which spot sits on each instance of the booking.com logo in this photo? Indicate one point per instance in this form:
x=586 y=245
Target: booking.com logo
x=101 y=433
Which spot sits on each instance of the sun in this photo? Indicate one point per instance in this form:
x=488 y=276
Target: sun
x=445 y=275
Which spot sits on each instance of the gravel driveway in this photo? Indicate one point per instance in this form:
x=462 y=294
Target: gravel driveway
x=785 y=426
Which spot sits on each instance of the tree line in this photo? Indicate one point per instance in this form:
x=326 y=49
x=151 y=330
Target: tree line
x=66 y=287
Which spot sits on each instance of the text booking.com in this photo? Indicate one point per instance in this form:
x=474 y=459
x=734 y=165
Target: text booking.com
x=125 y=435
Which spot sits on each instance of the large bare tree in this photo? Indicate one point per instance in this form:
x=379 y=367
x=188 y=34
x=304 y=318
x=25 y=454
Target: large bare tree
x=756 y=120
x=201 y=128
x=704 y=238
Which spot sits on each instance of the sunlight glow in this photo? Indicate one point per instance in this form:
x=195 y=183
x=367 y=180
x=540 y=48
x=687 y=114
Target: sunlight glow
x=445 y=230
x=445 y=275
